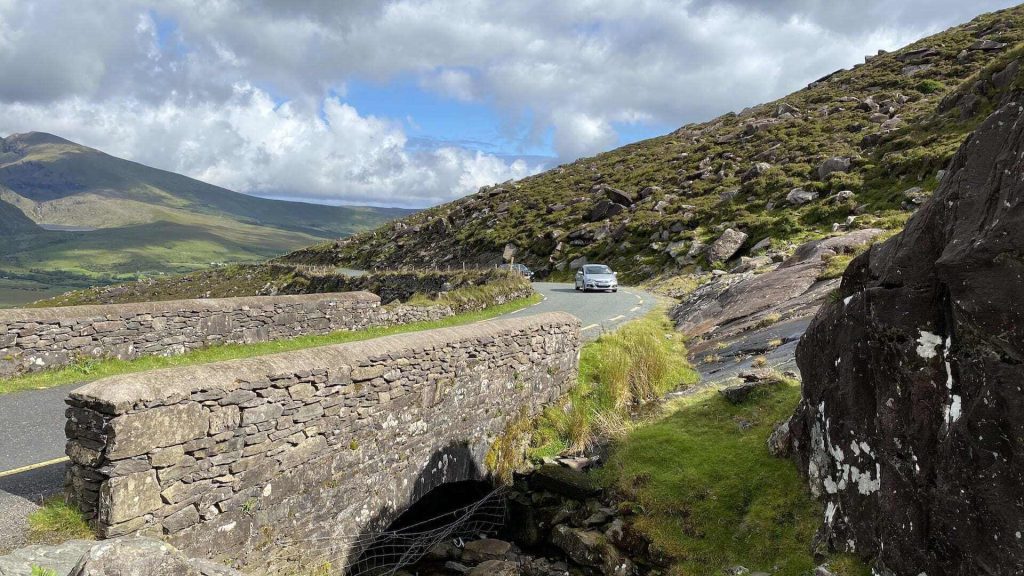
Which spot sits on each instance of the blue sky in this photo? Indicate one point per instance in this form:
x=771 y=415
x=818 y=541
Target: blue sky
x=415 y=102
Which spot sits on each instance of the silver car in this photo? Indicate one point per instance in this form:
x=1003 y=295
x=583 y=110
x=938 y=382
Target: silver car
x=596 y=277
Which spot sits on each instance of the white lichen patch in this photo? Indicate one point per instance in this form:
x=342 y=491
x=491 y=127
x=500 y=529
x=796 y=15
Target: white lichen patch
x=830 y=512
x=928 y=342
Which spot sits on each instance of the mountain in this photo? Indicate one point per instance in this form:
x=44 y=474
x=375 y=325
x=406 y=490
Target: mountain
x=857 y=148
x=58 y=182
x=72 y=216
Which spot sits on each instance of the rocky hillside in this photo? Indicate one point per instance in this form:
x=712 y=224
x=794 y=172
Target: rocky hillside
x=909 y=428
x=858 y=148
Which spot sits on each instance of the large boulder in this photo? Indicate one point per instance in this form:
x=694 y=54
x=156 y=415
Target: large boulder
x=727 y=245
x=133 y=557
x=910 y=427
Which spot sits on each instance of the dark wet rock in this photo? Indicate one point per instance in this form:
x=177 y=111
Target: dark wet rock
x=910 y=424
x=738 y=393
x=584 y=547
x=496 y=568
x=780 y=442
x=478 y=551
x=605 y=209
x=564 y=481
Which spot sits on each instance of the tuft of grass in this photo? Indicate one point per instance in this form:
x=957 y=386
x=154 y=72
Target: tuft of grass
x=619 y=372
x=768 y=320
x=40 y=571
x=58 y=521
x=709 y=493
x=92 y=369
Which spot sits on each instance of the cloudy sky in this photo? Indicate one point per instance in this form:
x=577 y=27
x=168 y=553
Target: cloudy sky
x=414 y=102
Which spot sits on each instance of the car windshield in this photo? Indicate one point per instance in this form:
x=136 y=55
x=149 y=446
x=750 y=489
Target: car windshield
x=597 y=269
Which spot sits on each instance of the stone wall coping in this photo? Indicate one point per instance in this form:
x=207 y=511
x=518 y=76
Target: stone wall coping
x=57 y=313
x=118 y=394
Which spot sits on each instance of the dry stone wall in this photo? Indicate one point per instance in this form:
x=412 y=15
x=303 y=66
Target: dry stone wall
x=39 y=338
x=282 y=462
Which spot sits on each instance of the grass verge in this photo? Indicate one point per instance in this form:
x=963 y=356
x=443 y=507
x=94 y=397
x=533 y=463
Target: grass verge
x=710 y=495
x=94 y=369
x=58 y=521
x=619 y=373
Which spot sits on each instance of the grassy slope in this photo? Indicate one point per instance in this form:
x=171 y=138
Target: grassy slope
x=149 y=221
x=711 y=496
x=91 y=369
x=537 y=213
x=42 y=168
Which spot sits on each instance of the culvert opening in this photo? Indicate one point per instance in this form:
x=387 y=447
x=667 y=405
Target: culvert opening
x=459 y=510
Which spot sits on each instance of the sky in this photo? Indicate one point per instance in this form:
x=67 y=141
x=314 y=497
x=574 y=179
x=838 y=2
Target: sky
x=414 y=102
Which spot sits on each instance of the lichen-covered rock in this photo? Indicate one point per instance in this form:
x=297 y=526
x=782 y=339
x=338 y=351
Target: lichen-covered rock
x=910 y=425
x=134 y=557
x=727 y=245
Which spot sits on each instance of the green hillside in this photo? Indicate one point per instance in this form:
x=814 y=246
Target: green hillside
x=72 y=217
x=888 y=125
x=59 y=182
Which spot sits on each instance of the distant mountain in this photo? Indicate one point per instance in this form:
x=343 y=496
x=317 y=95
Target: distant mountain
x=72 y=216
x=55 y=181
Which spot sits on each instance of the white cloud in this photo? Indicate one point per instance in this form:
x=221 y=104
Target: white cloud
x=249 y=143
x=201 y=98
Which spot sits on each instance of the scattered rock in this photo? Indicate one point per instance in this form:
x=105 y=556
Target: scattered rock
x=738 y=393
x=727 y=245
x=618 y=196
x=987 y=45
x=477 y=551
x=605 y=209
x=799 y=196
x=496 y=568
x=134 y=557
x=780 y=443
x=915 y=69
x=833 y=165
x=758 y=169
x=584 y=547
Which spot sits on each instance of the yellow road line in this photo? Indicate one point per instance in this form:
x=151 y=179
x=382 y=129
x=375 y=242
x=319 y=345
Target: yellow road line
x=634 y=308
x=619 y=317
x=589 y=327
x=31 y=467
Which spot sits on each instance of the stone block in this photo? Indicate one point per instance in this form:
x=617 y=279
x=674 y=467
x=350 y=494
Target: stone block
x=127 y=497
x=142 y=432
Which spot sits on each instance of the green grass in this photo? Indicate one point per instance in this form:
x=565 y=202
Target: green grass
x=57 y=521
x=40 y=571
x=619 y=373
x=711 y=496
x=93 y=369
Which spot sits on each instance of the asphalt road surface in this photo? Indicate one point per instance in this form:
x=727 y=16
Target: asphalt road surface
x=32 y=422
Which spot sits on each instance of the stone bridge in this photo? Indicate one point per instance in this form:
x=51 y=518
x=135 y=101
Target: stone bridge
x=314 y=447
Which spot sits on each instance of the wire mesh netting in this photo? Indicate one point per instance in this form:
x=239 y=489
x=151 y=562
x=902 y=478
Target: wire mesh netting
x=385 y=553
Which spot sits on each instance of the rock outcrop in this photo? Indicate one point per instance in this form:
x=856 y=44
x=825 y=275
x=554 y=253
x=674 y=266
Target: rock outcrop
x=910 y=427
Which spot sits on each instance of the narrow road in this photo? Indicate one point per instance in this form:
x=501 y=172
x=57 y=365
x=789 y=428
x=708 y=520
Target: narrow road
x=32 y=422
